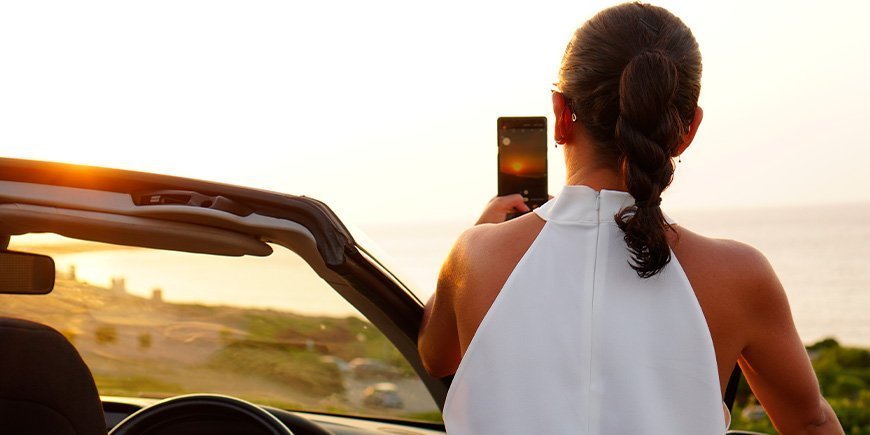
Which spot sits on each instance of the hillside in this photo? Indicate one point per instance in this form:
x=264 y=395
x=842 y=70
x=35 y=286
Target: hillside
x=147 y=347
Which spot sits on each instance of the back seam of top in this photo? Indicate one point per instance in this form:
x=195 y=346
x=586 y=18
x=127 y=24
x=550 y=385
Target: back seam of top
x=589 y=401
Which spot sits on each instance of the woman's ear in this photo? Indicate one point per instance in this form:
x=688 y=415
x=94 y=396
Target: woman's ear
x=693 y=128
x=564 y=120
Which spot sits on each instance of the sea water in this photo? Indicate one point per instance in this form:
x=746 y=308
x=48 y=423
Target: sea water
x=820 y=253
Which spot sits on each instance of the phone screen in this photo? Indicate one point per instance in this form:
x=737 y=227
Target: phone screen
x=522 y=158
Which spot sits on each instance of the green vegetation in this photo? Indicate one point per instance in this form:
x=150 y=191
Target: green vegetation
x=346 y=338
x=143 y=386
x=300 y=369
x=433 y=416
x=138 y=348
x=844 y=376
x=106 y=334
x=144 y=340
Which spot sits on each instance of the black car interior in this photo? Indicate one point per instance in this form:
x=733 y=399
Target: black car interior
x=46 y=388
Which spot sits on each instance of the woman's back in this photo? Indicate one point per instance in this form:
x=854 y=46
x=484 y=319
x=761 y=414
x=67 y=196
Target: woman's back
x=575 y=342
x=597 y=314
x=745 y=313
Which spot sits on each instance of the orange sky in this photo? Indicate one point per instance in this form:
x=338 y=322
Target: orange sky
x=386 y=110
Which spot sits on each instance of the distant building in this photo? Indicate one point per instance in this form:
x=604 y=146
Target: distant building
x=119 y=286
x=157 y=296
x=72 y=272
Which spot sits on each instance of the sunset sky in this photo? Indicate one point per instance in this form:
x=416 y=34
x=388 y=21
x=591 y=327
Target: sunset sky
x=387 y=110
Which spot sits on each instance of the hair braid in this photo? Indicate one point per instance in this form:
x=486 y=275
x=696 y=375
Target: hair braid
x=632 y=74
x=647 y=130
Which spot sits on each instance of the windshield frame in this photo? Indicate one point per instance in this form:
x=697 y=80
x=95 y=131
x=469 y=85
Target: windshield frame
x=376 y=292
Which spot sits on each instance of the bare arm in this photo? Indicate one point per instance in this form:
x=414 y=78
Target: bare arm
x=775 y=362
x=438 y=339
x=438 y=342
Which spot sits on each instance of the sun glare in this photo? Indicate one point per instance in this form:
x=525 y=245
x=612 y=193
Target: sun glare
x=294 y=99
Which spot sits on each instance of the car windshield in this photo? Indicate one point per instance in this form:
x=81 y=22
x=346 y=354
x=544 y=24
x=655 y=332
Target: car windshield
x=412 y=252
x=151 y=323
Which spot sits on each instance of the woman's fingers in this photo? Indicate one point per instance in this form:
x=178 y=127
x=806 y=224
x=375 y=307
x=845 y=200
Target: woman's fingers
x=497 y=209
x=513 y=202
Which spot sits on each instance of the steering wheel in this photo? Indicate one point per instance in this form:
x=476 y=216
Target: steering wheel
x=190 y=413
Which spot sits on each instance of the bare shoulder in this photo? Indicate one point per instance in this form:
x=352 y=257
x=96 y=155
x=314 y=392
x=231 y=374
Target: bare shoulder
x=718 y=249
x=734 y=285
x=480 y=246
x=456 y=269
x=467 y=285
x=749 y=318
x=479 y=265
x=736 y=267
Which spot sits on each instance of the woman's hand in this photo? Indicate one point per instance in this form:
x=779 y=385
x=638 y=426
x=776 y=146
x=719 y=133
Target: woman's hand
x=497 y=209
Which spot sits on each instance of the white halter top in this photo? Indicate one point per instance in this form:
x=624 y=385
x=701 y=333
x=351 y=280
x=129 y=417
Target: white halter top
x=576 y=343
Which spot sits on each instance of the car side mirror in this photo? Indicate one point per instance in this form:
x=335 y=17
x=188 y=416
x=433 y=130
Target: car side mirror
x=22 y=273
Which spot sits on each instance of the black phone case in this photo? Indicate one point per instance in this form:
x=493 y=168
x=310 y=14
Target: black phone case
x=514 y=122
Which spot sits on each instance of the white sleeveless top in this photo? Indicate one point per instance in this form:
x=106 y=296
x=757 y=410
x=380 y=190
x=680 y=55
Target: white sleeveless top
x=576 y=343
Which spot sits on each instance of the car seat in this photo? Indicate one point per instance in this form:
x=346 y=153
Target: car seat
x=45 y=387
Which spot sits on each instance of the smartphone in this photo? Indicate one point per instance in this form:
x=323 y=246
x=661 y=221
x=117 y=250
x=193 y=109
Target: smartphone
x=522 y=159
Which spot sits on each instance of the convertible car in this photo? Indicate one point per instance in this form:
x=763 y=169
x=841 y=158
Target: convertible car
x=135 y=303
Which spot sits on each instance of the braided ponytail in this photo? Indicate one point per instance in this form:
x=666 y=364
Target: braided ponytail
x=632 y=74
x=648 y=129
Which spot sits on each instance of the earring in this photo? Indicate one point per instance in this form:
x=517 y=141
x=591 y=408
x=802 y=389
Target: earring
x=679 y=159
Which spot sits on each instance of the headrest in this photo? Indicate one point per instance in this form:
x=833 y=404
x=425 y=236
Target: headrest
x=45 y=387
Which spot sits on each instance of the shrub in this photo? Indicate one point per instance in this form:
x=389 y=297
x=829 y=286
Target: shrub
x=106 y=334
x=144 y=340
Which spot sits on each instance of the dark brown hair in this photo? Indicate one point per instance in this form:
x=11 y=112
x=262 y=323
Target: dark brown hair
x=632 y=75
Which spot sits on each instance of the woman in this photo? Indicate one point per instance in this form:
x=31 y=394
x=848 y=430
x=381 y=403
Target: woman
x=596 y=313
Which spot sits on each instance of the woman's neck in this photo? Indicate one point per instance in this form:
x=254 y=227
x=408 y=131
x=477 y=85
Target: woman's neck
x=584 y=168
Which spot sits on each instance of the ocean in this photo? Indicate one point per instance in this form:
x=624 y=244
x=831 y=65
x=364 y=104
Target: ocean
x=820 y=253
